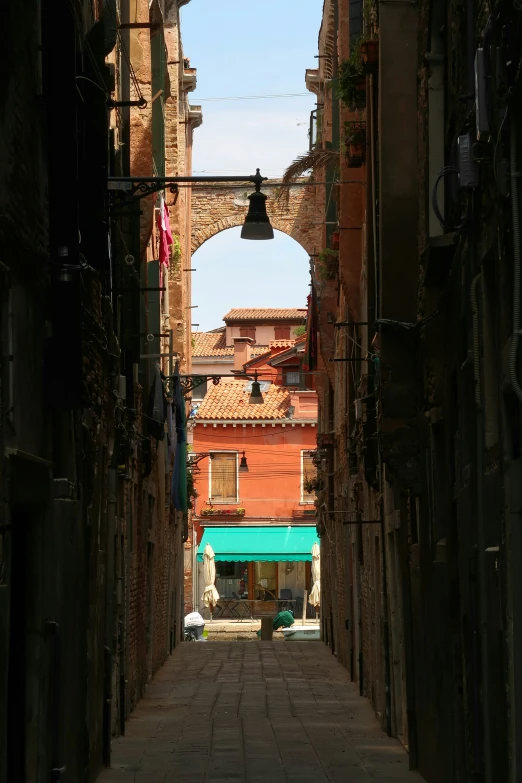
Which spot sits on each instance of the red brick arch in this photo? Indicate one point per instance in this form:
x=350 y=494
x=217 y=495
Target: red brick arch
x=214 y=209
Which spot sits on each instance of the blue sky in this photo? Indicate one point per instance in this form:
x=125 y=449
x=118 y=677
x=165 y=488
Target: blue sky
x=244 y=49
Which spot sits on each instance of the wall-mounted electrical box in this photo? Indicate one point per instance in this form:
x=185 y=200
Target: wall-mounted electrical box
x=468 y=169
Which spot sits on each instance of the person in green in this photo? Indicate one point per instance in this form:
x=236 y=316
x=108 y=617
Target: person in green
x=281 y=620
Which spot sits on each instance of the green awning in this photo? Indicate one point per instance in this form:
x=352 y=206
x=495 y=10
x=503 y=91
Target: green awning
x=258 y=543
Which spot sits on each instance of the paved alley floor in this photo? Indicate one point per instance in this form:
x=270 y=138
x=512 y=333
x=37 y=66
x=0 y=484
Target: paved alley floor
x=252 y=712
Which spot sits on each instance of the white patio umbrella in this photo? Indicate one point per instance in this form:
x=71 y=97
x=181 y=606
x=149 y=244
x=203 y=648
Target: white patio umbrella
x=210 y=595
x=315 y=594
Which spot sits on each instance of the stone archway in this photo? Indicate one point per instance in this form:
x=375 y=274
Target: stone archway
x=217 y=208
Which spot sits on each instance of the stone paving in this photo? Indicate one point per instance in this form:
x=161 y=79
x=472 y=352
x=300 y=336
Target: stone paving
x=244 y=712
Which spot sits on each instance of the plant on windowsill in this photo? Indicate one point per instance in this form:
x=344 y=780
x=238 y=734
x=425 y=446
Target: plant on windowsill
x=222 y=512
x=311 y=485
x=327 y=264
x=352 y=81
x=354 y=142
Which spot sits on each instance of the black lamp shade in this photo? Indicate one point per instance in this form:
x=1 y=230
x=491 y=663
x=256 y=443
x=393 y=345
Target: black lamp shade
x=243 y=466
x=257 y=223
x=256 y=398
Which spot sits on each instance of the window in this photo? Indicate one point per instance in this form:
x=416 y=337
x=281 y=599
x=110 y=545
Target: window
x=223 y=476
x=291 y=376
x=308 y=472
x=248 y=331
x=282 y=332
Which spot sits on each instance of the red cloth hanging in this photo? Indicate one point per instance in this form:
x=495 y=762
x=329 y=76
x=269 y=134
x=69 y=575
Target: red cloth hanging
x=165 y=233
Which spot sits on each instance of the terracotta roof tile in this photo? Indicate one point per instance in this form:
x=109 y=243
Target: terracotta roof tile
x=266 y=314
x=214 y=344
x=230 y=401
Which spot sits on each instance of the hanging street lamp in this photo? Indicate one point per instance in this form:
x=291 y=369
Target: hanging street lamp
x=257 y=223
x=256 y=398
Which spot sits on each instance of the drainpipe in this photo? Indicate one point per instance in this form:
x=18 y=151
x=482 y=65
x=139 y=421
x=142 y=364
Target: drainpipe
x=109 y=611
x=515 y=217
x=481 y=572
x=515 y=515
x=409 y=652
x=385 y=623
x=374 y=199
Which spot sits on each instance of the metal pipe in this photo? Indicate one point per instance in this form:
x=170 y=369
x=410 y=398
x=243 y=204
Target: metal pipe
x=482 y=566
x=376 y=312
x=515 y=218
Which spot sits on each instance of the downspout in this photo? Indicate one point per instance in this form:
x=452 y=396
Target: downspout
x=409 y=652
x=377 y=313
x=483 y=598
x=109 y=612
x=515 y=498
x=385 y=622
x=515 y=217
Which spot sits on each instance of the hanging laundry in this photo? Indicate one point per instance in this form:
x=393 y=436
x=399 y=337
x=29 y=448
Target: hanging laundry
x=165 y=232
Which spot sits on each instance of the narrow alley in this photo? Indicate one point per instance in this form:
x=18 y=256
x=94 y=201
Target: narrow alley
x=244 y=711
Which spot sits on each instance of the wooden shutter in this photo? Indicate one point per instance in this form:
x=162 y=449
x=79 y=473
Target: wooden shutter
x=309 y=472
x=248 y=331
x=224 y=476
x=282 y=332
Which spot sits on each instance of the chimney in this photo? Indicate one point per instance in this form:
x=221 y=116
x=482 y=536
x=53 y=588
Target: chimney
x=242 y=351
x=304 y=404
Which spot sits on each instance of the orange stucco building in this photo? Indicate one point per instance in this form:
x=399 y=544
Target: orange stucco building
x=253 y=462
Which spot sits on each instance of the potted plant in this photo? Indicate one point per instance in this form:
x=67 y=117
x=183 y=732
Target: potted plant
x=240 y=511
x=369 y=54
x=352 y=81
x=355 y=143
x=327 y=264
x=369 y=38
x=311 y=485
x=207 y=512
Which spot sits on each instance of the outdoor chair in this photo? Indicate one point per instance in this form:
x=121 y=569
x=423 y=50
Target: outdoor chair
x=284 y=595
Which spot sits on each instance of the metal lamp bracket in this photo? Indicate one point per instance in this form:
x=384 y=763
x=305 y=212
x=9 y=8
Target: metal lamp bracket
x=125 y=189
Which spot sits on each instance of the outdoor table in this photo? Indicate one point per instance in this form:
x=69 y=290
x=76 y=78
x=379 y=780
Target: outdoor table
x=224 y=605
x=246 y=607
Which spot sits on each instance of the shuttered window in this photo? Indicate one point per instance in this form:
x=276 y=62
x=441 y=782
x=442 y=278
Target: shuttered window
x=248 y=331
x=223 y=476
x=282 y=332
x=309 y=472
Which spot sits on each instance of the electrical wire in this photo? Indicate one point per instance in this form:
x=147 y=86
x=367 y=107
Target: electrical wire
x=254 y=97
